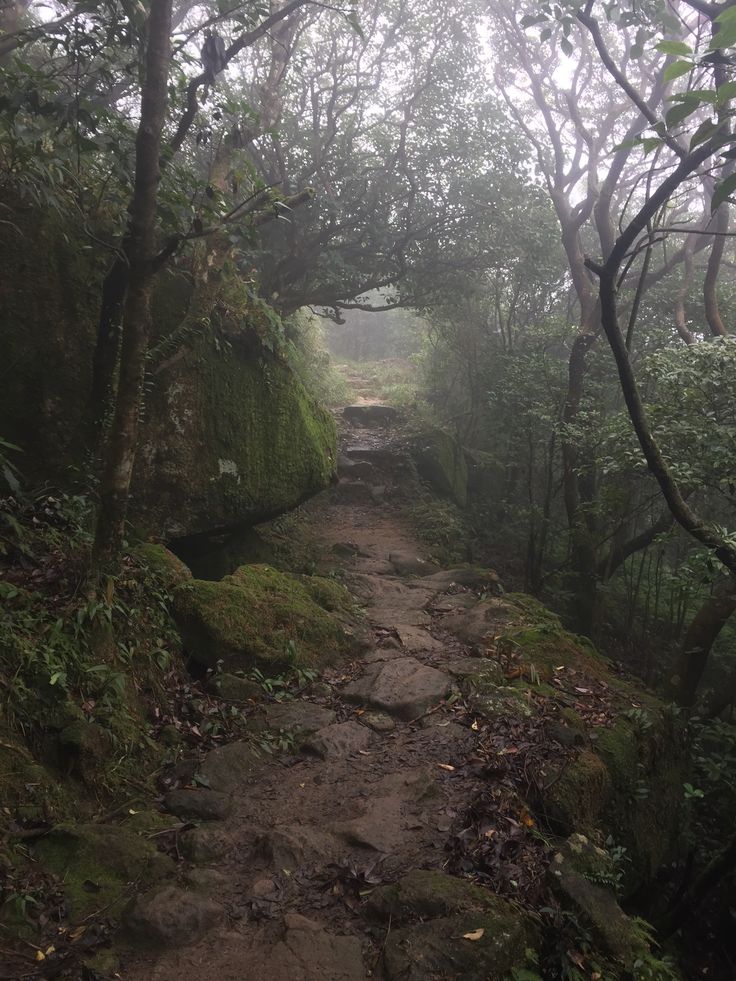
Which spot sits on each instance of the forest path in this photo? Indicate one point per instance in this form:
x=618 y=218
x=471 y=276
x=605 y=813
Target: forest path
x=369 y=787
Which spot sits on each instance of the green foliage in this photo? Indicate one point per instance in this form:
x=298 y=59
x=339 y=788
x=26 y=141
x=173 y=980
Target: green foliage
x=69 y=664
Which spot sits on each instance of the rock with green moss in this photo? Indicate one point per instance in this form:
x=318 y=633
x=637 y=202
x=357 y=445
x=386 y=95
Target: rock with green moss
x=30 y=792
x=463 y=931
x=440 y=461
x=101 y=867
x=163 y=564
x=230 y=435
x=231 y=439
x=259 y=617
x=584 y=879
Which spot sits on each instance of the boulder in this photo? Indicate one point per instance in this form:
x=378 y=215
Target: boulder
x=199 y=805
x=230 y=436
x=408 y=564
x=341 y=739
x=465 y=933
x=100 y=866
x=172 y=917
x=440 y=461
x=228 y=768
x=162 y=563
x=259 y=617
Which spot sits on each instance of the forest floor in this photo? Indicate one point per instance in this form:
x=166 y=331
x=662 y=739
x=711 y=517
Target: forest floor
x=377 y=789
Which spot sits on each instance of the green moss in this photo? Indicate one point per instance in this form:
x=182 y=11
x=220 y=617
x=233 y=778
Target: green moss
x=233 y=418
x=29 y=792
x=169 y=569
x=261 y=617
x=572 y=718
x=576 y=799
x=425 y=894
x=440 y=460
x=100 y=866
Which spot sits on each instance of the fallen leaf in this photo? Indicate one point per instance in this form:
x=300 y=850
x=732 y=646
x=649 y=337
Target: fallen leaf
x=474 y=935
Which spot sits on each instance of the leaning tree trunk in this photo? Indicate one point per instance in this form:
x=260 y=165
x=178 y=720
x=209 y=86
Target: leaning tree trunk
x=139 y=251
x=702 y=633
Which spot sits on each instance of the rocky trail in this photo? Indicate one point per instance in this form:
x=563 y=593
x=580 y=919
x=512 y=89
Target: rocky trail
x=407 y=776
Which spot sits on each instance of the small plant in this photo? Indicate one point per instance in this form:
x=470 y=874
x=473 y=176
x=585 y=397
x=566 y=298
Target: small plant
x=693 y=793
x=639 y=718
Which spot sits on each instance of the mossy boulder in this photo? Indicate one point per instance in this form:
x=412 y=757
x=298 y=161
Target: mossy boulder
x=30 y=793
x=627 y=782
x=450 y=928
x=584 y=880
x=230 y=436
x=101 y=866
x=440 y=461
x=259 y=617
x=166 y=566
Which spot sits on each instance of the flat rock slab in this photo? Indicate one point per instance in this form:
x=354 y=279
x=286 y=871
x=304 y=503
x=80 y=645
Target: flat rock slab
x=379 y=829
x=172 y=917
x=228 y=768
x=369 y=415
x=200 y=804
x=408 y=564
x=417 y=638
x=380 y=455
x=299 y=716
x=402 y=687
x=291 y=846
x=476 y=670
x=336 y=741
x=306 y=952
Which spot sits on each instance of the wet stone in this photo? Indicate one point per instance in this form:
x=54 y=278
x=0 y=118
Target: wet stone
x=402 y=687
x=172 y=917
x=228 y=768
x=201 y=804
x=341 y=739
x=369 y=416
x=202 y=845
x=378 y=721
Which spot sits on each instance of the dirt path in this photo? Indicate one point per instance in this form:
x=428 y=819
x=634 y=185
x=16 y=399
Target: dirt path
x=370 y=785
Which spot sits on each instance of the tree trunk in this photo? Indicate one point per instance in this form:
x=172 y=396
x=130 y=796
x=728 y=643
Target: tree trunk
x=139 y=251
x=702 y=633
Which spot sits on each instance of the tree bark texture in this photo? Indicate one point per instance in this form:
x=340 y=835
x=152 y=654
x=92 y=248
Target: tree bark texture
x=138 y=250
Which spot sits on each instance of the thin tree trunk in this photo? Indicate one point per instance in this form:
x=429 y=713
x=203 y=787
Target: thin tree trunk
x=139 y=252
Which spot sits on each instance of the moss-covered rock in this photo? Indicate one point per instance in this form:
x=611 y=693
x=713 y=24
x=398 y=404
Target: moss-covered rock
x=440 y=461
x=100 y=866
x=30 y=793
x=583 y=878
x=261 y=617
x=464 y=932
x=425 y=894
x=229 y=437
x=162 y=563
